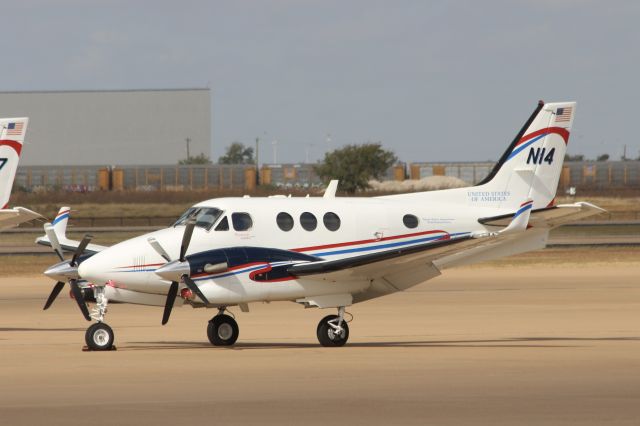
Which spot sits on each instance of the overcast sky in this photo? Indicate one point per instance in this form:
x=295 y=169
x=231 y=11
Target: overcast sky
x=431 y=80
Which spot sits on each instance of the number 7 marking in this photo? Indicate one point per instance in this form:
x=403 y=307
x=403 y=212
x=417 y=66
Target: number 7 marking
x=3 y=161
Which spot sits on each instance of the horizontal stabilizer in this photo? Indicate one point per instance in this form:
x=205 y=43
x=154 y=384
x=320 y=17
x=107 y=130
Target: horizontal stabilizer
x=550 y=217
x=15 y=216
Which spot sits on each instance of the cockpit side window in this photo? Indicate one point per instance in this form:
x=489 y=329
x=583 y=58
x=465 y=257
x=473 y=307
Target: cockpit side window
x=223 y=225
x=205 y=217
x=241 y=221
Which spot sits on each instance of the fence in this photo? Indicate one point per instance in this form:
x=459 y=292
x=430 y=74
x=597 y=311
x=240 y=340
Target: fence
x=586 y=174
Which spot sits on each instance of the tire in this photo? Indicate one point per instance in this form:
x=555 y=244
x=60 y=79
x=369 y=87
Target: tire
x=99 y=337
x=326 y=335
x=222 y=330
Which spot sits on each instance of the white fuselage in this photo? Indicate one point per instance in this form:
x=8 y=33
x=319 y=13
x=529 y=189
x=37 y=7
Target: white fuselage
x=366 y=225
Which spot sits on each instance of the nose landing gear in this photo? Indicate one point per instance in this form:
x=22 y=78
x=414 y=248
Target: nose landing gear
x=99 y=336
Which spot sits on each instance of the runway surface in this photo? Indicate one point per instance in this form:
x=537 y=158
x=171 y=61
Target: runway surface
x=480 y=346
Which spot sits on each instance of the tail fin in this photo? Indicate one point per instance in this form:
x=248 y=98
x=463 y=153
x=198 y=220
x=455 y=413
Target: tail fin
x=60 y=222
x=531 y=166
x=12 y=131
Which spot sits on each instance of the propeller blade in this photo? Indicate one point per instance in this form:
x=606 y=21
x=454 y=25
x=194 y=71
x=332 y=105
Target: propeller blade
x=54 y=293
x=171 y=298
x=77 y=294
x=186 y=237
x=80 y=249
x=158 y=248
x=53 y=239
x=193 y=287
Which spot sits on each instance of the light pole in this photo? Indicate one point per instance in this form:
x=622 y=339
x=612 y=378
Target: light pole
x=188 y=140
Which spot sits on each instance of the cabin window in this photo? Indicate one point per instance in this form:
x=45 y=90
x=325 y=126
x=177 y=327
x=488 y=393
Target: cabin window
x=410 y=221
x=331 y=221
x=223 y=225
x=241 y=221
x=205 y=217
x=308 y=221
x=284 y=221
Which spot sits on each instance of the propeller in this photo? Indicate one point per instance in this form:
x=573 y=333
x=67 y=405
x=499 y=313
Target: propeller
x=67 y=271
x=178 y=268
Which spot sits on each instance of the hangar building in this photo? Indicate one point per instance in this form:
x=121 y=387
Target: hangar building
x=107 y=127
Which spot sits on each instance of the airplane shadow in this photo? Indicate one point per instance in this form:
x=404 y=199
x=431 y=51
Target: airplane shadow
x=8 y=329
x=510 y=342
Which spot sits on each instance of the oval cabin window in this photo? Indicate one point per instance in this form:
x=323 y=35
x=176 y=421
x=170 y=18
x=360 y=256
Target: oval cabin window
x=308 y=221
x=331 y=221
x=410 y=221
x=284 y=221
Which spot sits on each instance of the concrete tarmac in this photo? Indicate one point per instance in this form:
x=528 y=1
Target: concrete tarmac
x=477 y=346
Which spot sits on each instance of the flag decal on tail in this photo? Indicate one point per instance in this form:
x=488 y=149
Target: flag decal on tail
x=15 y=129
x=563 y=114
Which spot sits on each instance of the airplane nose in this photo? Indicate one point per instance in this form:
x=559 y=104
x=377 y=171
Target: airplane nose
x=172 y=271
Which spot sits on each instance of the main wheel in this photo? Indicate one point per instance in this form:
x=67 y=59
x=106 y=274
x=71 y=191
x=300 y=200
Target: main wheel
x=327 y=335
x=99 y=337
x=223 y=330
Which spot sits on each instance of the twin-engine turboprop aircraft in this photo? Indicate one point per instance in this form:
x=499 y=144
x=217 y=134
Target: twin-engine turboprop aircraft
x=328 y=252
x=12 y=131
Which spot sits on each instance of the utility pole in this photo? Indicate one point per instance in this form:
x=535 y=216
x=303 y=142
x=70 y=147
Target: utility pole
x=275 y=151
x=257 y=161
x=188 y=140
x=309 y=146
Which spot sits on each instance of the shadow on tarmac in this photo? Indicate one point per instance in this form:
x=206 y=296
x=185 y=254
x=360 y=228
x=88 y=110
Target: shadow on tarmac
x=510 y=342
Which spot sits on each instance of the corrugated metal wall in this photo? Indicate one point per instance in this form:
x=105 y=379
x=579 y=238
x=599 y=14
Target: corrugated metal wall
x=111 y=127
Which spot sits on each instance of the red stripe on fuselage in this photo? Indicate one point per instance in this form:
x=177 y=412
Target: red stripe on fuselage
x=17 y=146
x=564 y=133
x=353 y=243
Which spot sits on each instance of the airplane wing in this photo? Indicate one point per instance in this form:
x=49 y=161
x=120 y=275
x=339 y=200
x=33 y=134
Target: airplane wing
x=14 y=217
x=400 y=269
x=550 y=217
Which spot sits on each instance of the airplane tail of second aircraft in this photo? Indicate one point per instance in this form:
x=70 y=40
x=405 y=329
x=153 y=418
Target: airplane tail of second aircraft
x=12 y=131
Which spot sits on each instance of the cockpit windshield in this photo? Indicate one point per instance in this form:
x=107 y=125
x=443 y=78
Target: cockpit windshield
x=205 y=217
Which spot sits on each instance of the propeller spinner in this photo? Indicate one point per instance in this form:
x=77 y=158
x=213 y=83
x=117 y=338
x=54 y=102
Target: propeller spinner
x=177 y=270
x=66 y=271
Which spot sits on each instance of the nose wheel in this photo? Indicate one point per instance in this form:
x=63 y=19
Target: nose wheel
x=222 y=330
x=99 y=337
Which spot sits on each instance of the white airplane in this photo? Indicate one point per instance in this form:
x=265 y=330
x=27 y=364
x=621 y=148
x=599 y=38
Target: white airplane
x=12 y=131
x=328 y=252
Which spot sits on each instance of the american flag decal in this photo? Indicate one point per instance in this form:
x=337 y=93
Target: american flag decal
x=15 y=129
x=563 y=114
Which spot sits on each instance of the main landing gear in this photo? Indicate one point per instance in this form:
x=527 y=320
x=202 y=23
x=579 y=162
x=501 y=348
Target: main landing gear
x=333 y=330
x=99 y=336
x=222 y=329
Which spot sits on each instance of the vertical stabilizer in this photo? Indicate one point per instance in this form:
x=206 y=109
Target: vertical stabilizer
x=531 y=166
x=60 y=222
x=12 y=131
